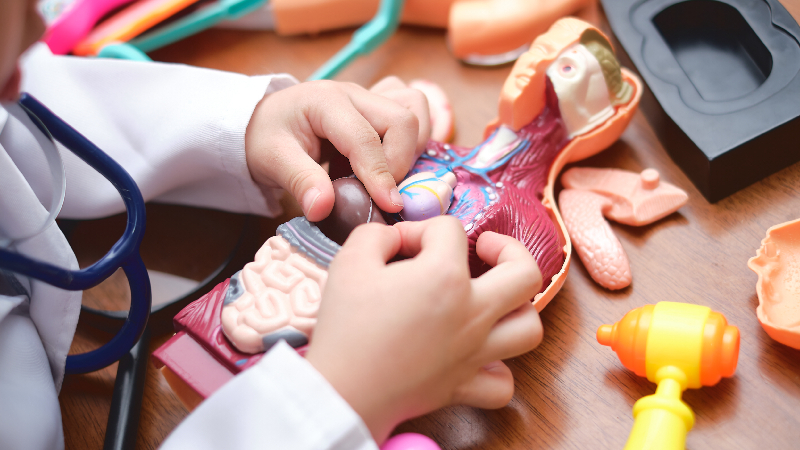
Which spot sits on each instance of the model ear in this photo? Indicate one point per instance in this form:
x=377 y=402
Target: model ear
x=627 y=94
x=632 y=91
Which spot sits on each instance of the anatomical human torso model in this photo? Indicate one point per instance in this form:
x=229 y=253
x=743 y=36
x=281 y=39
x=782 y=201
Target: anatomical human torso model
x=566 y=99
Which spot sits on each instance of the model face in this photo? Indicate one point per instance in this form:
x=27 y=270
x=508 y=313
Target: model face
x=525 y=69
x=583 y=96
x=20 y=27
x=577 y=79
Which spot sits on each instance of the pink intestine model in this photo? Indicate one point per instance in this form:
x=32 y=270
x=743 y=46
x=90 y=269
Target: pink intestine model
x=277 y=296
x=274 y=297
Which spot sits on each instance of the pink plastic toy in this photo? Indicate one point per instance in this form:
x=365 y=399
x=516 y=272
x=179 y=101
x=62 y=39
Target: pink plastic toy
x=77 y=22
x=129 y=23
x=777 y=264
x=625 y=197
x=410 y=441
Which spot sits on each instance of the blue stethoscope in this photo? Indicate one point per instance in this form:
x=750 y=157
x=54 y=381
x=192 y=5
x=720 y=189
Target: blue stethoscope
x=124 y=254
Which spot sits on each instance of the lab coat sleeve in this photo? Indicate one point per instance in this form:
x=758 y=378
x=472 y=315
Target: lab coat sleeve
x=178 y=130
x=282 y=402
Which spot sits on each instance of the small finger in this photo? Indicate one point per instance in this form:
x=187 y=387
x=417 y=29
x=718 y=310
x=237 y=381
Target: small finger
x=491 y=388
x=514 y=278
x=333 y=116
x=395 y=123
x=434 y=239
x=386 y=84
x=515 y=334
x=370 y=243
x=417 y=102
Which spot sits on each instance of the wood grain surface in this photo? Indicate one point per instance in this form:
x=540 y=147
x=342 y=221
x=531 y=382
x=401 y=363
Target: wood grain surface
x=571 y=393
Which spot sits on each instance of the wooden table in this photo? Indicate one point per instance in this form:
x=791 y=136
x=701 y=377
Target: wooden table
x=570 y=392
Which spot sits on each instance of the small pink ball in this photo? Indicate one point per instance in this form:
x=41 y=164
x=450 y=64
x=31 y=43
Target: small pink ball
x=410 y=441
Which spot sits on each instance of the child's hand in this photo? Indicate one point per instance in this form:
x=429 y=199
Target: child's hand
x=382 y=132
x=402 y=339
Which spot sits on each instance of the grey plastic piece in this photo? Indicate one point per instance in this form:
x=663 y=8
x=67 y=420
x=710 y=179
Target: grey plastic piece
x=307 y=238
x=294 y=338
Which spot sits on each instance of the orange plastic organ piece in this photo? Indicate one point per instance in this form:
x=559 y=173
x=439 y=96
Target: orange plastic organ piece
x=521 y=99
x=623 y=196
x=483 y=27
x=581 y=147
x=636 y=198
x=777 y=264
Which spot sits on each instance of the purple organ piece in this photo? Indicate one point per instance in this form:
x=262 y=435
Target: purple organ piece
x=426 y=205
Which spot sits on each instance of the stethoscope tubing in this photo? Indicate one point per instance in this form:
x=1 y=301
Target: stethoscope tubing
x=123 y=254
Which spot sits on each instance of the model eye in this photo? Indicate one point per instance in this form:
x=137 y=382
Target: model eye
x=567 y=70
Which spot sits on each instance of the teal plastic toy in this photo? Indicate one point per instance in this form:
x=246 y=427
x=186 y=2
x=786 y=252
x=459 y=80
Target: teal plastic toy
x=366 y=39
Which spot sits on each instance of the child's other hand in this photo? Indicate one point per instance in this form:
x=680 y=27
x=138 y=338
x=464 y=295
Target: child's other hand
x=381 y=132
x=401 y=339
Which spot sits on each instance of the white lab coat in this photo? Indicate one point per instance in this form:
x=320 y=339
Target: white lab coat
x=179 y=131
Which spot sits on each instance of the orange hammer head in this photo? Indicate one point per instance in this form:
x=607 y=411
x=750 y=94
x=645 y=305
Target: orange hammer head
x=694 y=339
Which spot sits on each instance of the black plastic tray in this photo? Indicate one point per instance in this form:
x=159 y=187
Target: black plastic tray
x=726 y=77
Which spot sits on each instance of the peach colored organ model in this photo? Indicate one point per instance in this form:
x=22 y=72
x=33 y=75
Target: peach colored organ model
x=476 y=28
x=625 y=197
x=777 y=264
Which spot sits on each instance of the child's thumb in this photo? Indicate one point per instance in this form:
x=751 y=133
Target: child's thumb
x=307 y=182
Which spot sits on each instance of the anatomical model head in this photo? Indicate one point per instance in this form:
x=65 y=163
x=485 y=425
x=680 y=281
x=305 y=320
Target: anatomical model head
x=580 y=63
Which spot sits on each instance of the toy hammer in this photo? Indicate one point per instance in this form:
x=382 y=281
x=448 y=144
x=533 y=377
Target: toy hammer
x=677 y=346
